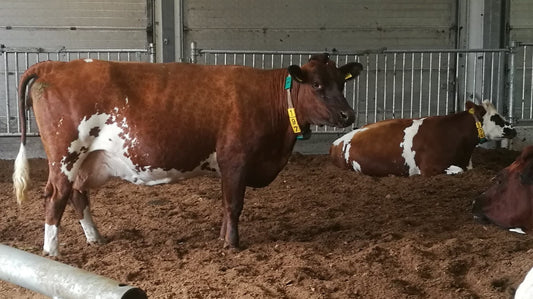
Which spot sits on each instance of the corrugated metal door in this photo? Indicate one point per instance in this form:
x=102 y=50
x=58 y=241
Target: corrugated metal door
x=318 y=25
x=71 y=24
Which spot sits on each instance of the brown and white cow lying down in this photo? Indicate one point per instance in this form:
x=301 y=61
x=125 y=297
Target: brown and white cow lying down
x=157 y=123
x=426 y=146
x=508 y=202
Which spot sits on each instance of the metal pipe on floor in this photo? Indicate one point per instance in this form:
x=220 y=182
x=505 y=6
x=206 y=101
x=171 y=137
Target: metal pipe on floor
x=58 y=280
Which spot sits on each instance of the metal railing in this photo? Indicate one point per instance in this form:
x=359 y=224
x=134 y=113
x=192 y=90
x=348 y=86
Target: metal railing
x=394 y=83
x=16 y=60
x=397 y=83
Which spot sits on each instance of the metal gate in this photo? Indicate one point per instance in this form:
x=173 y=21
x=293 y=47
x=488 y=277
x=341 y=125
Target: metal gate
x=394 y=83
x=16 y=60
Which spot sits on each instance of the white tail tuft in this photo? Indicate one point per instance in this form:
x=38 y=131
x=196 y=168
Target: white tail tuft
x=21 y=175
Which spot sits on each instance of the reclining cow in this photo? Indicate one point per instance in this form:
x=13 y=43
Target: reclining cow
x=426 y=146
x=158 y=123
x=508 y=202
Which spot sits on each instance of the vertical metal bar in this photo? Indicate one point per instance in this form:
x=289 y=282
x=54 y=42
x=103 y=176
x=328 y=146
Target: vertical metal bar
x=355 y=91
x=499 y=79
x=491 y=84
x=16 y=89
x=412 y=83
x=483 y=62
x=376 y=91
x=6 y=86
x=385 y=87
x=456 y=100
x=429 y=82
x=366 y=88
x=474 y=82
x=394 y=86
x=403 y=85
x=531 y=90
x=447 y=101
x=511 y=80
x=466 y=79
x=438 y=83
x=522 y=104
x=28 y=114
x=420 y=85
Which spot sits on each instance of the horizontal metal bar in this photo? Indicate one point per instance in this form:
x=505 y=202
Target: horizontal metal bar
x=63 y=50
x=58 y=280
x=22 y=27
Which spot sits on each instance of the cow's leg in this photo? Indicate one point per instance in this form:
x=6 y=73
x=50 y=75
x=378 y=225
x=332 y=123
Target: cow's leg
x=233 y=189
x=57 y=191
x=80 y=202
x=93 y=173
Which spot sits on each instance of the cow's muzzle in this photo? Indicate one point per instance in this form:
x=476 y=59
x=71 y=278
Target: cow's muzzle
x=346 y=117
x=477 y=210
x=509 y=133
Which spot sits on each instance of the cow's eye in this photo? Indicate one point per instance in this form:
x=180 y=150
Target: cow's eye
x=316 y=85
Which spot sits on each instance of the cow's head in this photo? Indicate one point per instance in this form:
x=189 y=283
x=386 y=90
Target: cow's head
x=495 y=126
x=320 y=99
x=509 y=201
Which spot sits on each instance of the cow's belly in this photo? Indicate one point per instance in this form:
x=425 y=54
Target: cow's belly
x=106 y=149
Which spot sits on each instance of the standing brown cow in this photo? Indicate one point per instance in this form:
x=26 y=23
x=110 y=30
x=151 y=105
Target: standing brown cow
x=158 y=123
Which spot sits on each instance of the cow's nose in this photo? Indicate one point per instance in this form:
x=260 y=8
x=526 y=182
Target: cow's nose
x=509 y=133
x=347 y=117
x=477 y=210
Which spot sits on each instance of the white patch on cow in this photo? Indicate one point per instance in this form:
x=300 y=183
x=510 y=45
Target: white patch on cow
x=356 y=166
x=525 y=289
x=126 y=100
x=517 y=230
x=347 y=138
x=112 y=139
x=408 y=154
x=51 y=244
x=115 y=109
x=90 y=230
x=88 y=60
x=453 y=170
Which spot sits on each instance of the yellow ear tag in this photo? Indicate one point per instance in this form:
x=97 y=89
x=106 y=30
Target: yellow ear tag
x=471 y=110
x=348 y=76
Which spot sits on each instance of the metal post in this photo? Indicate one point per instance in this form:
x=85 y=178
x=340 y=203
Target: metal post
x=151 y=52
x=194 y=53
x=510 y=80
x=57 y=280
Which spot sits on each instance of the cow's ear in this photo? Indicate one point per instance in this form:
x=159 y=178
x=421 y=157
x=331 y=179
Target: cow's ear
x=351 y=70
x=470 y=105
x=526 y=177
x=296 y=73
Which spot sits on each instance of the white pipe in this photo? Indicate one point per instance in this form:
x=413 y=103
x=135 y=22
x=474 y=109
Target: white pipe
x=58 y=280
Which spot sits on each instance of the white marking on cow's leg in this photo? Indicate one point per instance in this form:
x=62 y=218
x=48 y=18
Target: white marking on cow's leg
x=470 y=167
x=51 y=244
x=89 y=228
x=453 y=170
x=408 y=153
x=88 y=60
x=517 y=230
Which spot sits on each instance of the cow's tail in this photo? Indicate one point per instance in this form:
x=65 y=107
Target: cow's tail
x=21 y=173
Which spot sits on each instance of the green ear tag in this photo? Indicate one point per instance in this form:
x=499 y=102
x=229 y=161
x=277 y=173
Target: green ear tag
x=288 y=82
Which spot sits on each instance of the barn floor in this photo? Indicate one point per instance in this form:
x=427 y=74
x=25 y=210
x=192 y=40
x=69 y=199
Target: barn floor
x=315 y=232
